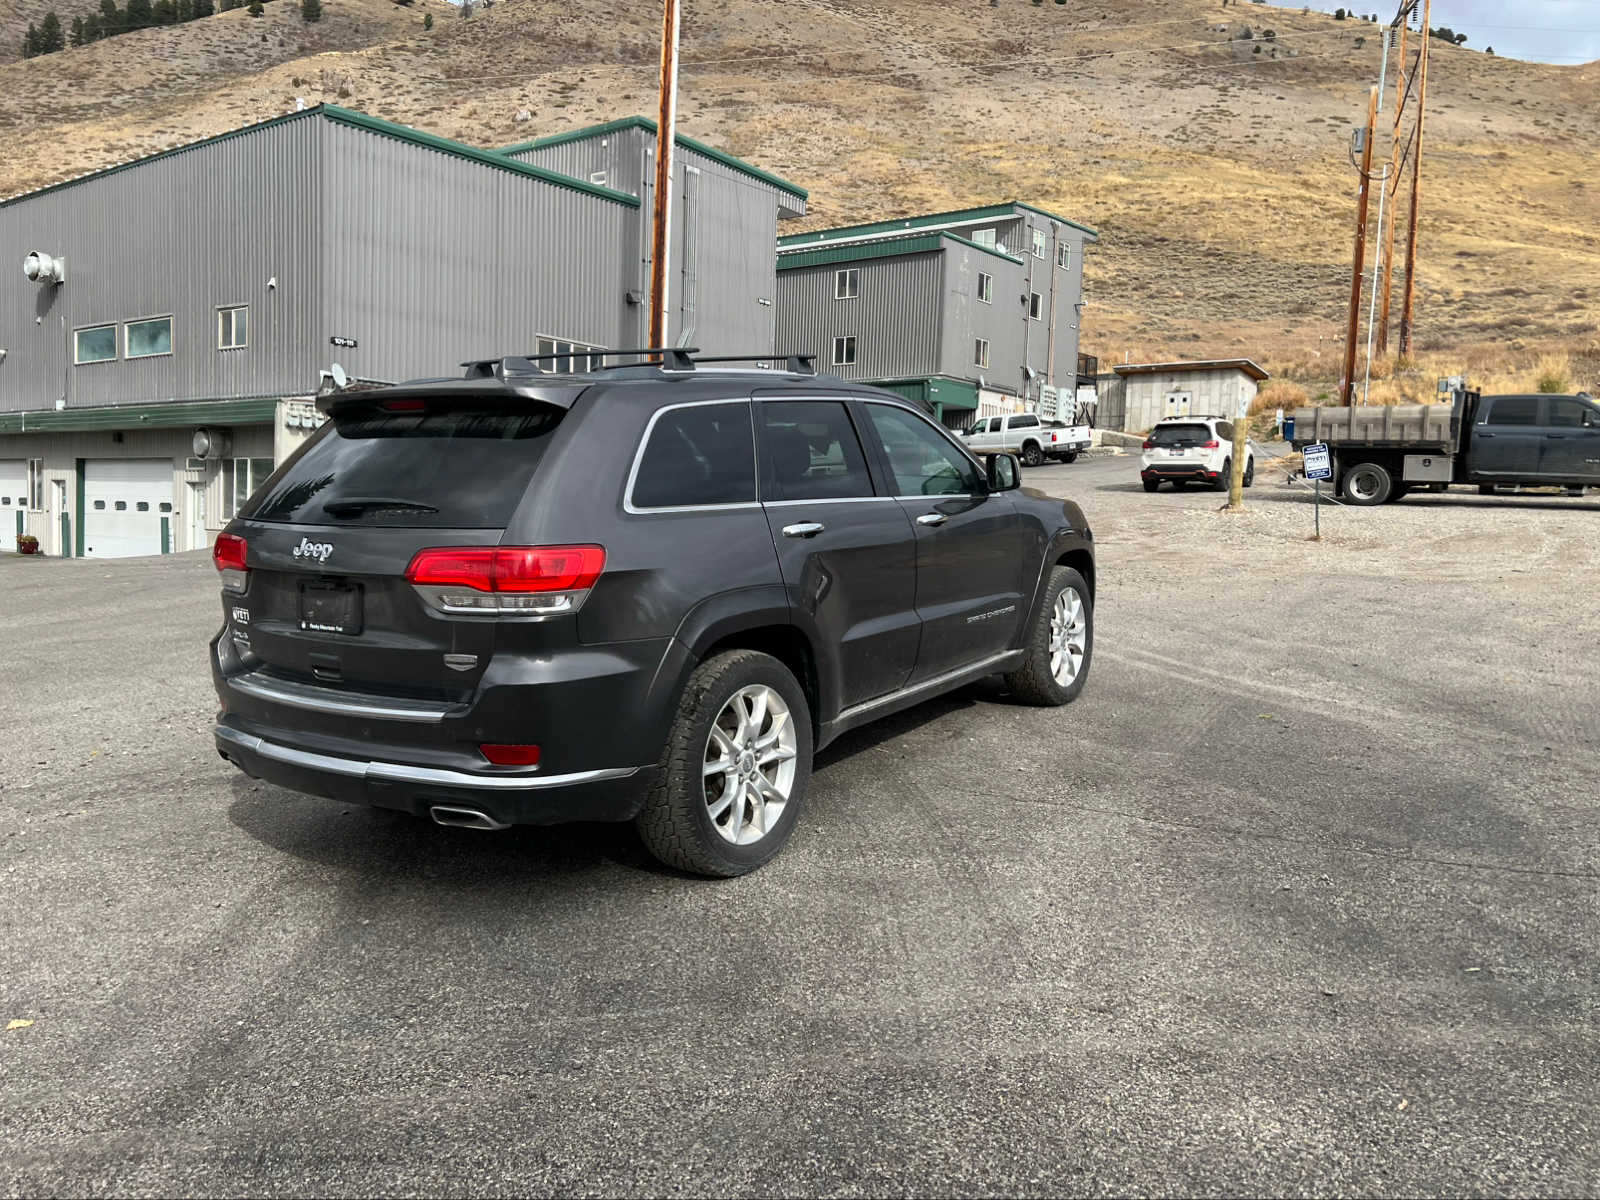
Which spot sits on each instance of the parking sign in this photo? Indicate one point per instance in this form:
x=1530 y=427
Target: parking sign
x=1319 y=463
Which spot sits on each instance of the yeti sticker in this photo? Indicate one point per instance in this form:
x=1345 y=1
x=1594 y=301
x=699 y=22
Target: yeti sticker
x=310 y=549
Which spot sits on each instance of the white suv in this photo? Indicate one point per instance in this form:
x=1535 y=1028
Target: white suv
x=1180 y=449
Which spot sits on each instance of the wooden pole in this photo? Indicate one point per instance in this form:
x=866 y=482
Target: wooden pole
x=666 y=142
x=1347 y=381
x=1400 y=89
x=1407 y=305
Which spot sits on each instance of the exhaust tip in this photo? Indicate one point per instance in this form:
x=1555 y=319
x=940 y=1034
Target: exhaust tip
x=464 y=818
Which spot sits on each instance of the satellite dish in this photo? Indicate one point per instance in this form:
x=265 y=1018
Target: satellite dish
x=340 y=379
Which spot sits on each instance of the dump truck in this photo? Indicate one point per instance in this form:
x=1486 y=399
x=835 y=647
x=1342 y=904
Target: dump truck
x=1381 y=452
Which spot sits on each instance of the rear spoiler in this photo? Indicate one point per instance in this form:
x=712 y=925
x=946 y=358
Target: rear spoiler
x=456 y=393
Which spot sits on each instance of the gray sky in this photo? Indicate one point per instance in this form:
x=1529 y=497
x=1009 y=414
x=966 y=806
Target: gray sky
x=1556 y=31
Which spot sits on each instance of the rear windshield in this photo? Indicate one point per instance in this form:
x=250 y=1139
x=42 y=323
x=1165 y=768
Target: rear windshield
x=454 y=468
x=1180 y=435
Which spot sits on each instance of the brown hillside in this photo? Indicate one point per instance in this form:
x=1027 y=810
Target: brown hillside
x=1214 y=167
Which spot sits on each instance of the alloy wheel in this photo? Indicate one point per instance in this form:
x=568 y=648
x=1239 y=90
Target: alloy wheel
x=749 y=765
x=1069 y=630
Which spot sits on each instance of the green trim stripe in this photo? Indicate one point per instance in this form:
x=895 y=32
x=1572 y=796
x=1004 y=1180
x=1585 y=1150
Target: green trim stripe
x=990 y=212
x=711 y=152
x=253 y=410
x=357 y=120
x=792 y=260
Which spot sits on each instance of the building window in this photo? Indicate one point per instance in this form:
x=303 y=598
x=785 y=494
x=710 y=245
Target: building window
x=1035 y=306
x=559 y=357
x=146 y=339
x=1040 y=243
x=233 y=328
x=240 y=478
x=1063 y=254
x=847 y=284
x=36 y=484
x=600 y=177
x=980 y=352
x=984 y=237
x=844 y=351
x=985 y=287
x=98 y=344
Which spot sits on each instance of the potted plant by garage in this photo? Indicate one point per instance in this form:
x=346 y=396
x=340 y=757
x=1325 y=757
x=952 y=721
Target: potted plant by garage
x=27 y=544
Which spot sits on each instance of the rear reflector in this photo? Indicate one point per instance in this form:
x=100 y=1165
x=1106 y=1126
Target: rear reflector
x=229 y=556
x=514 y=580
x=511 y=756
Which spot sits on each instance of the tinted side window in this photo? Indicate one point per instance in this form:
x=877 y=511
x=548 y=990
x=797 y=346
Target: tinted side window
x=922 y=461
x=1568 y=414
x=1225 y=430
x=700 y=454
x=1028 y=421
x=813 y=451
x=1514 y=410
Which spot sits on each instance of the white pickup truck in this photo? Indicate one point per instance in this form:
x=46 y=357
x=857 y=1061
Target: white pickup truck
x=1029 y=436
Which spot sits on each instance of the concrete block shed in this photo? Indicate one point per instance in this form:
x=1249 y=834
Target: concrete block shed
x=1211 y=387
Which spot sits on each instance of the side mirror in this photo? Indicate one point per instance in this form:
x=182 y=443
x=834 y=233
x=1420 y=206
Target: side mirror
x=1005 y=472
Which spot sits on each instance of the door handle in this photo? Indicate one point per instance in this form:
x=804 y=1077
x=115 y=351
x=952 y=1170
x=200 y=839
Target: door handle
x=933 y=518
x=804 y=529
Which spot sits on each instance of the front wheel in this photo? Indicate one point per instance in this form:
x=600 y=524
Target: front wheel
x=735 y=769
x=1060 y=643
x=1032 y=456
x=1366 y=484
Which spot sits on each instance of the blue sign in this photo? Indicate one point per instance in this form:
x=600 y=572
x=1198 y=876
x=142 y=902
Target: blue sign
x=1319 y=463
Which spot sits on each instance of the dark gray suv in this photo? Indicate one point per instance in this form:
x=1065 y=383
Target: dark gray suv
x=644 y=593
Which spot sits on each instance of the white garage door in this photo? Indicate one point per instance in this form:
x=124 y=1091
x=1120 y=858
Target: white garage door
x=13 y=500
x=124 y=501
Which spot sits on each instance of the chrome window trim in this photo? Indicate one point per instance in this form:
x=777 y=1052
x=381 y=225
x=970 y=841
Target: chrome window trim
x=628 y=505
x=831 y=500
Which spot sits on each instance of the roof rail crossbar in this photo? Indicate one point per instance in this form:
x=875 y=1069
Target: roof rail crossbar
x=676 y=358
x=795 y=364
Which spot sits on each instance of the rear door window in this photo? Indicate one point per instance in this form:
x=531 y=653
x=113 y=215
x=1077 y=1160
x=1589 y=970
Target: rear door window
x=1514 y=410
x=697 y=455
x=446 y=468
x=1180 y=435
x=1028 y=421
x=812 y=451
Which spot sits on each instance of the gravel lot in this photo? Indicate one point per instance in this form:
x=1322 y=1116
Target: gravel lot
x=1300 y=897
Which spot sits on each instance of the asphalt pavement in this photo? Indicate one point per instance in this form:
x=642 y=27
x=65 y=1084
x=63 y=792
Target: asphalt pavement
x=1300 y=897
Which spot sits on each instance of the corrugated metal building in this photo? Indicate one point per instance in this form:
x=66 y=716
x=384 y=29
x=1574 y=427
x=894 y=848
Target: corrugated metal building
x=203 y=286
x=975 y=311
x=1150 y=391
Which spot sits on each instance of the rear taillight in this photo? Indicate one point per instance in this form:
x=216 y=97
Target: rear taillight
x=529 y=581
x=1149 y=445
x=1211 y=445
x=229 y=556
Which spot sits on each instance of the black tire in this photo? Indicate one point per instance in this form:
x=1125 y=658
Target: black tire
x=1220 y=483
x=1398 y=492
x=1249 y=471
x=1032 y=456
x=1070 y=457
x=1151 y=485
x=1033 y=682
x=675 y=824
x=1366 y=484
x=1486 y=489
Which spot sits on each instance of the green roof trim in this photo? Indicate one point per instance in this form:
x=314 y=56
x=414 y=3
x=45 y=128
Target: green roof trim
x=711 y=152
x=989 y=212
x=357 y=120
x=792 y=260
x=248 y=410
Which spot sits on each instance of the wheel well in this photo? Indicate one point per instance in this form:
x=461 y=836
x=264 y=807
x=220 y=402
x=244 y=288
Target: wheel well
x=786 y=644
x=1082 y=562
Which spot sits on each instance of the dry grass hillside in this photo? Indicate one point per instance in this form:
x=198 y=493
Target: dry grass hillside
x=1214 y=167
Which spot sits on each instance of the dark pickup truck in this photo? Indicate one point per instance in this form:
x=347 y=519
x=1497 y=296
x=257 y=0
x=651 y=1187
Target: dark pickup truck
x=1382 y=452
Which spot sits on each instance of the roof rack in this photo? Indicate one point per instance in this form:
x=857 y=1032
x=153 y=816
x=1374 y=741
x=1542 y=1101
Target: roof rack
x=673 y=358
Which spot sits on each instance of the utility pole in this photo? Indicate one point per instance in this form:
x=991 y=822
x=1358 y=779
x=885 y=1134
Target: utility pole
x=1383 y=195
x=1416 y=182
x=1402 y=86
x=1347 y=380
x=666 y=142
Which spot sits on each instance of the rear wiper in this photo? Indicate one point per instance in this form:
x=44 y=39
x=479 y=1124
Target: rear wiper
x=355 y=505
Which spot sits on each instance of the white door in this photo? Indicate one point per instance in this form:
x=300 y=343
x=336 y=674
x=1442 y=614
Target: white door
x=13 y=500
x=1178 y=403
x=124 y=501
x=197 y=516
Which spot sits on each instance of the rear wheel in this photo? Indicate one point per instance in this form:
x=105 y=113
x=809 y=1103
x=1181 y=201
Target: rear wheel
x=1071 y=456
x=735 y=769
x=1367 y=483
x=1220 y=483
x=1032 y=456
x=1060 y=643
x=1249 y=471
x=1151 y=485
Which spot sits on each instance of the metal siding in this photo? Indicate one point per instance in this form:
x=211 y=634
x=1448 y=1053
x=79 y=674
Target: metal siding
x=966 y=318
x=894 y=319
x=179 y=235
x=432 y=260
